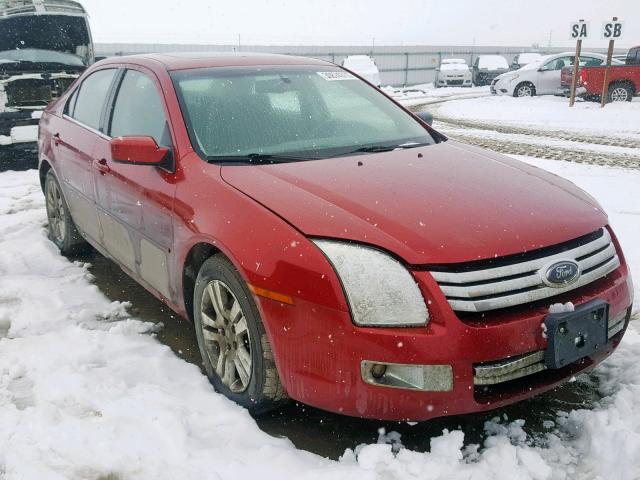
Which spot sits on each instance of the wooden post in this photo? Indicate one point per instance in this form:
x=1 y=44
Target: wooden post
x=605 y=83
x=576 y=66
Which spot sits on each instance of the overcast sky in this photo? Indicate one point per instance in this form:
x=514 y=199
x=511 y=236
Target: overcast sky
x=358 y=22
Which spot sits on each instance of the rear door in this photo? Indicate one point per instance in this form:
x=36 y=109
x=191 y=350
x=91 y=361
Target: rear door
x=136 y=201
x=74 y=143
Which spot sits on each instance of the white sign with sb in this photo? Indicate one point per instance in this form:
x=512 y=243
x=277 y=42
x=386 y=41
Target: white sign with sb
x=612 y=30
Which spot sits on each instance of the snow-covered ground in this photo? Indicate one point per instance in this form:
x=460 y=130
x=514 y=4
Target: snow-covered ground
x=86 y=392
x=549 y=113
x=426 y=93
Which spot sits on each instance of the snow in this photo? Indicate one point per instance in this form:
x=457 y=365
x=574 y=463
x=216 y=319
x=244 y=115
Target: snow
x=492 y=62
x=425 y=93
x=87 y=392
x=526 y=58
x=454 y=67
x=26 y=133
x=561 y=307
x=549 y=113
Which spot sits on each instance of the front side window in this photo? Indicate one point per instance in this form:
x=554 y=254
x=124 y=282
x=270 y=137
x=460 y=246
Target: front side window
x=559 y=63
x=138 y=109
x=309 y=112
x=90 y=99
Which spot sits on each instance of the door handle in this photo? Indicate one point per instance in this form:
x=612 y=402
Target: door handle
x=101 y=165
x=56 y=139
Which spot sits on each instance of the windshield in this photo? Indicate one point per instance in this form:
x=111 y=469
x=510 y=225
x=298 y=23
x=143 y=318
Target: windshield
x=40 y=56
x=308 y=112
x=60 y=33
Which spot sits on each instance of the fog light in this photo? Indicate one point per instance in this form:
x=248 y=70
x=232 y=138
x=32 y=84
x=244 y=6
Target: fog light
x=428 y=378
x=378 y=370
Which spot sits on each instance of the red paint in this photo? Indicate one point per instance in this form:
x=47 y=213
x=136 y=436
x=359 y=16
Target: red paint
x=137 y=151
x=455 y=203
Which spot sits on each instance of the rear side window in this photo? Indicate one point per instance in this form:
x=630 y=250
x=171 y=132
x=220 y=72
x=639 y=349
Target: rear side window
x=86 y=105
x=138 y=109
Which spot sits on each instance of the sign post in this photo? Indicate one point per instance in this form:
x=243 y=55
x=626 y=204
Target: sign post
x=579 y=31
x=610 y=30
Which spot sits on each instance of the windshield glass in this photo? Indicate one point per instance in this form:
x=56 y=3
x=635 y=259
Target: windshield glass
x=40 y=56
x=60 y=33
x=304 y=111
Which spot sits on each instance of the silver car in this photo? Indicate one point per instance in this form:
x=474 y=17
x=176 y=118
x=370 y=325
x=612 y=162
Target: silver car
x=542 y=76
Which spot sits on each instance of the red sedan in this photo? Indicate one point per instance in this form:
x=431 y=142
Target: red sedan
x=328 y=245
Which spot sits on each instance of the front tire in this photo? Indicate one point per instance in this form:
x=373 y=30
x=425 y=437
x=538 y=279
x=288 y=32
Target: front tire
x=524 y=89
x=233 y=343
x=62 y=229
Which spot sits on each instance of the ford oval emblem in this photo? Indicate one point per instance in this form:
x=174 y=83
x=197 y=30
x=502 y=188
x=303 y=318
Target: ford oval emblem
x=561 y=273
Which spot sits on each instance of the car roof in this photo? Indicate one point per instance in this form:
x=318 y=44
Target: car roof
x=184 y=61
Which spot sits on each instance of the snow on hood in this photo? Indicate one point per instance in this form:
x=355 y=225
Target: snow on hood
x=493 y=62
x=448 y=67
x=455 y=204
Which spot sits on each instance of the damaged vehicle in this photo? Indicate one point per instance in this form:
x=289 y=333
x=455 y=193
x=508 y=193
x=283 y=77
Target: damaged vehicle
x=44 y=47
x=328 y=245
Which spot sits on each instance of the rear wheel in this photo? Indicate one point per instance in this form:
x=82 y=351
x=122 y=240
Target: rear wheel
x=524 y=89
x=233 y=343
x=620 y=92
x=62 y=230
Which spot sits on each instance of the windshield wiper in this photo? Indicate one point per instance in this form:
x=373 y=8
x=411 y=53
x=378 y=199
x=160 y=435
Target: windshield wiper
x=257 y=158
x=382 y=148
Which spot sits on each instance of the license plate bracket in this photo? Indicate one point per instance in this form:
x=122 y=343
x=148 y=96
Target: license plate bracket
x=577 y=334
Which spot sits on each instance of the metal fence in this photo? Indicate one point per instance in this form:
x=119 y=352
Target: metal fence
x=398 y=65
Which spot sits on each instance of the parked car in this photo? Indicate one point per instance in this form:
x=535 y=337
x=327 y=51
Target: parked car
x=453 y=72
x=44 y=46
x=488 y=67
x=522 y=59
x=541 y=77
x=318 y=235
x=364 y=66
x=623 y=80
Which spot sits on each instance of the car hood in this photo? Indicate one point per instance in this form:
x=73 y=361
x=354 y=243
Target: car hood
x=454 y=203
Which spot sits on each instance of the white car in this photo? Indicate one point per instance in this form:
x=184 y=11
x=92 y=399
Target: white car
x=364 y=66
x=453 y=72
x=542 y=76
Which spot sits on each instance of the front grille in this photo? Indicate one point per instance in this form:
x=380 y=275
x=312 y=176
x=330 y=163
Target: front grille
x=493 y=373
x=454 y=82
x=482 y=286
x=34 y=92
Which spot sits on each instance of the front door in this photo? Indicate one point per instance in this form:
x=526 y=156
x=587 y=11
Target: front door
x=135 y=202
x=549 y=76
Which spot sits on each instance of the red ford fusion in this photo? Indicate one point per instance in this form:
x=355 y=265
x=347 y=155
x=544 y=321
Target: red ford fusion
x=328 y=245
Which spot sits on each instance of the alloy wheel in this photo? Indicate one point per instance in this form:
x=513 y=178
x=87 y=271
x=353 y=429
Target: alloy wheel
x=525 y=91
x=619 y=94
x=227 y=341
x=56 y=213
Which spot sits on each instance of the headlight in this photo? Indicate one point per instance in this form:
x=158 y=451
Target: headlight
x=380 y=291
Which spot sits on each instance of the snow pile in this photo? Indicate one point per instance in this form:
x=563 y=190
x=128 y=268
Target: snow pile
x=87 y=393
x=561 y=307
x=549 y=113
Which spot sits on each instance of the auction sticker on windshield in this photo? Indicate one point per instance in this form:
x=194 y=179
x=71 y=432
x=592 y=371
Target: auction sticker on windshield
x=331 y=76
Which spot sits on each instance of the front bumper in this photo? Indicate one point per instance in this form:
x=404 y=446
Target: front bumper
x=454 y=82
x=320 y=353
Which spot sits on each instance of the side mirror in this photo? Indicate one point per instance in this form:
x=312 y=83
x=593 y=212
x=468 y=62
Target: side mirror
x=426 y=117
x=544 y=68
x=437 y=69
x=139 y=151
